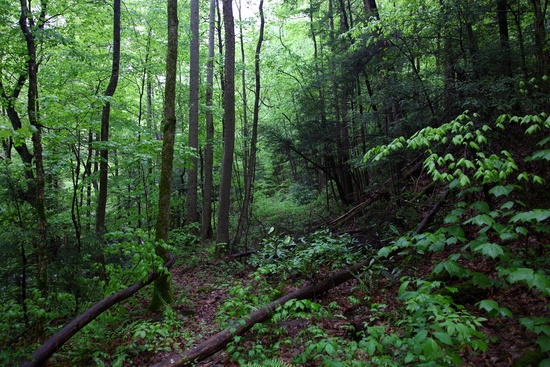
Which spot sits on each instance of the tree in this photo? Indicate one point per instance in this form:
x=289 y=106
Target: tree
x=251 y=166
x=206 y=228
x=192 y=175
x=162 y=291
x=224 y=202
x=104 y=137
x=28 y=24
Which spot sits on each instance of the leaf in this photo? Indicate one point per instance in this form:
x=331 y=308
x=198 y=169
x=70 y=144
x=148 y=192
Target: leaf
x=384 y=251
x=481 y=220
x=430 y=347
x=521 y=274
x=538 y=215
x=545 y=363
x=501 y=190
x=490 y=249
x=443 y=337
x=371 y=348
x=538 y=155
x=481 y=206
x=482 y=280
x=544 y=343
x=452 y=268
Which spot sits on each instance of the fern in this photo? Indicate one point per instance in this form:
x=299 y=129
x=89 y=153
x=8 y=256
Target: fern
x=268 y=363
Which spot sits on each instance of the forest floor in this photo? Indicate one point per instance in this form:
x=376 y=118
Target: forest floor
x=204 y=288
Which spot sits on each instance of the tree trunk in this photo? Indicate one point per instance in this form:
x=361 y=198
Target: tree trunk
x=249 y=175
x=27 y=25
x=541 y=45
x=229 y=125
x=505 y=57
x=104 y=137
x=192 y=173
x=220 y=340
x=162 y=294
x=206 y=228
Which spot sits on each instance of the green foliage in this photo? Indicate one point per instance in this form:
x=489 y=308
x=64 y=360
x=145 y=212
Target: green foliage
x=307 y=256
x=243 y=300
x=483 y=229
x=431 y=331
x=131 y=257
x=541 y=327
x=268 y=363
x=298 y=308
x=154 y=336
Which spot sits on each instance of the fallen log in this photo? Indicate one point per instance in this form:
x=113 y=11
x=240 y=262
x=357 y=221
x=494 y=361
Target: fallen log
x=55 y=342
x=432 y=212
x=220 y=340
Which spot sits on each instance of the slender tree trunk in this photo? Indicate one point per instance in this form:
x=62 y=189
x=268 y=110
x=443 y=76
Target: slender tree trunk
x=541 y=43
x=27 y=24
x=229 y=125
x=192 y=173
x=104 y=151
x=206 y=227
x=504 y=38
x=244 y=95
x=162 y=291
x=249 y=175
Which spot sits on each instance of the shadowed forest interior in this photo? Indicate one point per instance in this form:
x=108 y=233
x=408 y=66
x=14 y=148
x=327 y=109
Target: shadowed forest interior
x=274 y=183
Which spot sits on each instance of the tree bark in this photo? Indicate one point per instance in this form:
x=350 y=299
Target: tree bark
x=206 y=228
x=249 y=175
x=220 y=340
x=541 y=44
x=105 y=115
x=27 y=23
x=222 y=236
x=54 y=343
x=192 y=173
x=162 y=294
x=502 y=18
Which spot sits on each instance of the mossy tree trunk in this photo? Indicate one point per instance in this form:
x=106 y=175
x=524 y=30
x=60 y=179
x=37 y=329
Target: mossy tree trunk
x=162 y=294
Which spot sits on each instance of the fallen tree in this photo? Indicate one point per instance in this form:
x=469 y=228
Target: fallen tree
x=53 y=344
x=220 y=340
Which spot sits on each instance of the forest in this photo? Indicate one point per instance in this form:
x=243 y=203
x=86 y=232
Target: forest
x=275 y=183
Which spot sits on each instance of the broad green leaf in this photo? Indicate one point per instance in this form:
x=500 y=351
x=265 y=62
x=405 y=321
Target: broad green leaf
x=501 y=190
x=481 y=206
x=521 y=274
x=545 y=363
x=402 y=287
x=544 y=343
x=371 y=348
x=443 y=337
x=490 y=249
x=452 y=268
x=329 y=348
x=482 y=280
x=507 y=205
x=385 y=251
x=430 y=347
x=538 y=155
x=481 y=220
x=537 y=215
